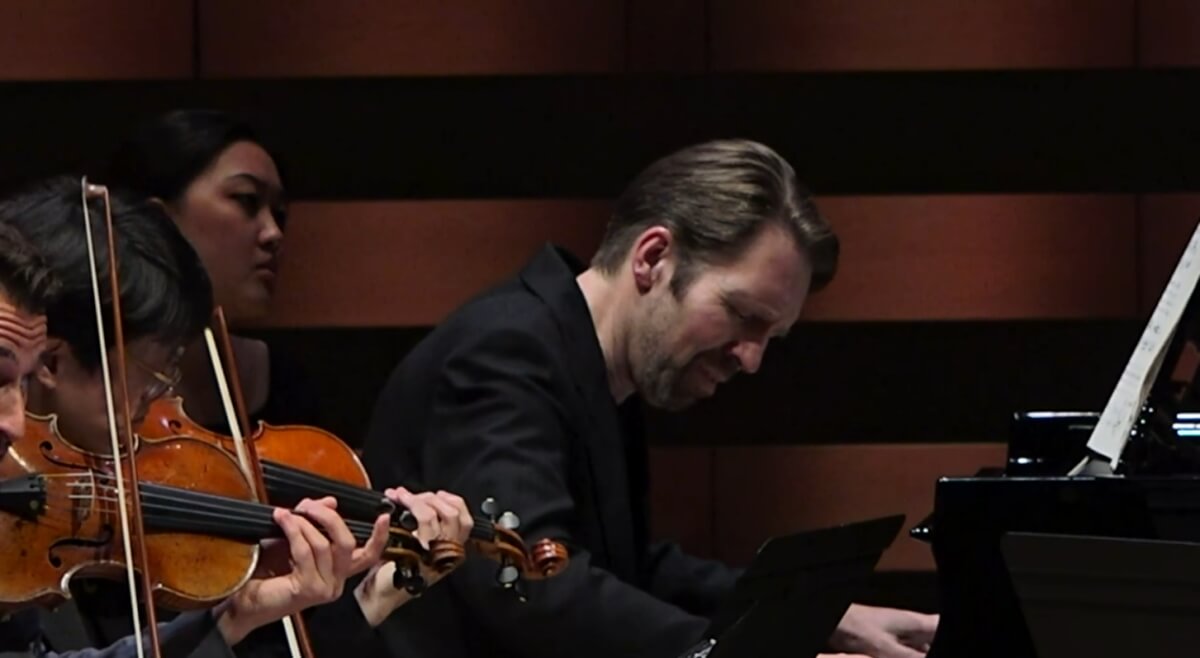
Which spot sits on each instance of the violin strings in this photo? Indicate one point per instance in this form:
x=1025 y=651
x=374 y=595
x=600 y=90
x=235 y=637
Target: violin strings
x=175 y=505
x=362 y=501
x=298 y=483
x=202 y=507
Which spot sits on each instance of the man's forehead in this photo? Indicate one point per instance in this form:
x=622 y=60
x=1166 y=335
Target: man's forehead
x=24 y=333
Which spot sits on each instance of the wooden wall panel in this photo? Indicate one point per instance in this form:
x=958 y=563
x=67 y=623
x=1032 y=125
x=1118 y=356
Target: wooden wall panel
x=1167 y=33
x=316 y=38
x=667 y=36
x=981 y=256
x=767 y=491
x=681 y=501
x=365 y=264
x=406 y=263
x=84 y=40
x=833 y=35
x=1166 y=222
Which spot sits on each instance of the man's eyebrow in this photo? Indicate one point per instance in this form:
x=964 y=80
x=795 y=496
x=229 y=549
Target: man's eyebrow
x=762 y=312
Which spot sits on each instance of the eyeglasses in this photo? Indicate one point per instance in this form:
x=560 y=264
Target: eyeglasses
x=162 y=383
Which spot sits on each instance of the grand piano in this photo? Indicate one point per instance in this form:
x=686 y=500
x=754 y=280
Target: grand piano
x=1131 y=471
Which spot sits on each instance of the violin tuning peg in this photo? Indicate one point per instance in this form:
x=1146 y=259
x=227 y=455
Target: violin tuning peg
x=508 y=575
x=489 y=508
x=509 y=521
x=408 y=581
x=406 y=520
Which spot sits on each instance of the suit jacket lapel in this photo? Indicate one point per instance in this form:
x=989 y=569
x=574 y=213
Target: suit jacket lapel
x=551 y=276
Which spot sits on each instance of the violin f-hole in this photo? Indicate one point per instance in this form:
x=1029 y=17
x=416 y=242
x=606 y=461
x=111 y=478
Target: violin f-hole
x=104 y=539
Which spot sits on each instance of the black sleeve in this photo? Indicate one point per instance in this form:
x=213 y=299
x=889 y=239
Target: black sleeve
x=340 y=629
x=177 y=638
x=694 y=584
x=499 y=430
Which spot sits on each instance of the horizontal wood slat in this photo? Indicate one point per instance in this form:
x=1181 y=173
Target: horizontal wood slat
x=963 y=257
x=363 y=264
x=1166 y=222
x=767 y=491
x=300 y=38
x=667 y=36
x=83 y=40
x=839 y=35
x=1167 y=33
x=406 y=263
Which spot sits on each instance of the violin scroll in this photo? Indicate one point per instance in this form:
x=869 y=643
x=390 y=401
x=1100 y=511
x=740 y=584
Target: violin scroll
x=495 y=537
x=549 y=558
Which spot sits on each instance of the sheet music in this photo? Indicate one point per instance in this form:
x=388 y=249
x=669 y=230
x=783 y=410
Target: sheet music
x=1116 y=422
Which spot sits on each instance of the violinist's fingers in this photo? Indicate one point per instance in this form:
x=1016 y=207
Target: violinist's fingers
x=341 y=541
x=395 y=494
x=370 y=552
x=317 y=571
x=456 y=521
x=301 y=552
x=465 y=518
x=428 y=524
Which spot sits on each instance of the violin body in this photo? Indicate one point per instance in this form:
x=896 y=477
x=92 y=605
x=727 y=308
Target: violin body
x=59 y=519
x=306 y=462
x=298 y=462
x=301 y=447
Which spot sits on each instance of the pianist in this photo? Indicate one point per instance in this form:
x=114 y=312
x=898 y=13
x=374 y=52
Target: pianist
x=530 y=394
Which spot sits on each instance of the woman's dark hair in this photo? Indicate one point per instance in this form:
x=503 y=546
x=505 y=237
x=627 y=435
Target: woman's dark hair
x=163 y=156
x=165 y=293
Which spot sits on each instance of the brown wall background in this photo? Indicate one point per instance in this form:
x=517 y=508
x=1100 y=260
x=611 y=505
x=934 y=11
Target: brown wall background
x=1012 y=180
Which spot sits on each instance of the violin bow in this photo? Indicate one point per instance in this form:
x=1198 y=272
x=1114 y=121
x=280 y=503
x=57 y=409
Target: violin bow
x=293 y=625
x=131 y=513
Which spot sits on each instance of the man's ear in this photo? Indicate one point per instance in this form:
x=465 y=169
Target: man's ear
x=651 y=257
x=47 y=373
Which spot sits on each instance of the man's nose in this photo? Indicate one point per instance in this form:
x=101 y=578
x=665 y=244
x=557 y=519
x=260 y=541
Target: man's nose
x=749 y=355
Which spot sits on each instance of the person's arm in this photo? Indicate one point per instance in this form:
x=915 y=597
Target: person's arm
x=177 y=638
x=498 y=430
x=692 y=583
x=348 y=624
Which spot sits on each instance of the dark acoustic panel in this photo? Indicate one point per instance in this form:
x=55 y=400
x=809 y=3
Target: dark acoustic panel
x=871 y=382
x=587 y=136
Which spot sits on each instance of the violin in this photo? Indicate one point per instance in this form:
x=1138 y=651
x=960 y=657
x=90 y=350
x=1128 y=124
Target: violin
x=299 y=461
x=201 y=523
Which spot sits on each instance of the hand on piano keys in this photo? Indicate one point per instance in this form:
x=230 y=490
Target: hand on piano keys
x=884 y=632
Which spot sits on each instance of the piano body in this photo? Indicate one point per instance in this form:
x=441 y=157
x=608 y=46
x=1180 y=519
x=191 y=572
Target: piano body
x=1076 y=473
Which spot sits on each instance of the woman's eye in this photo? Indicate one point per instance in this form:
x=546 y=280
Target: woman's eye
x=248 y=202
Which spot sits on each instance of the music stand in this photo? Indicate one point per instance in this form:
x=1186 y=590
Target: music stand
x=1106 y=597
x=796 y=590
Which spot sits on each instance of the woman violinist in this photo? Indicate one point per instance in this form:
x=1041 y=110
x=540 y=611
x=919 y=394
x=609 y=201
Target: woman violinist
x=223 y=188
x=166 y=301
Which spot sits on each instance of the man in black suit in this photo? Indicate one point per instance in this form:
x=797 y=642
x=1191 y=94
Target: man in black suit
x=529 y=394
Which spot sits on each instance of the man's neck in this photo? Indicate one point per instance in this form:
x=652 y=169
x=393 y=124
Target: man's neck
x=603 y=301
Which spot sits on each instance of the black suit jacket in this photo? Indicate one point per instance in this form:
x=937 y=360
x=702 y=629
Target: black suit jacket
x=509 y=399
